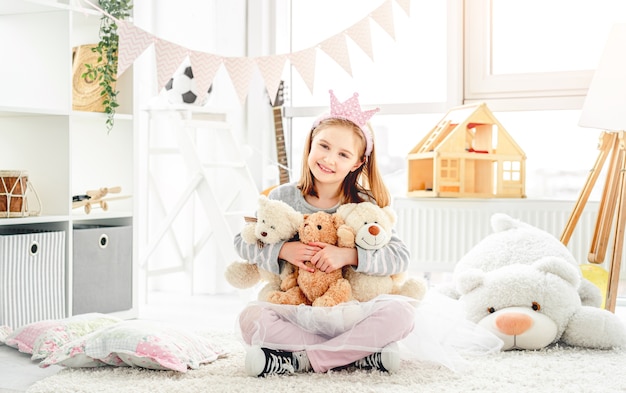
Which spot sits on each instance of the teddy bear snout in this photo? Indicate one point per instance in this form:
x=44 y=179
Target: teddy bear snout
x=374 y=230
x=513 y=324
x=264 y=234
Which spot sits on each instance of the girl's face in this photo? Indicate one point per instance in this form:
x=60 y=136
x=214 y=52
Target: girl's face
x=335 y=152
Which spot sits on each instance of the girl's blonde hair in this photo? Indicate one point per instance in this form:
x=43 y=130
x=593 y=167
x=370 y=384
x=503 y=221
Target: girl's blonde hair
x=364 y=181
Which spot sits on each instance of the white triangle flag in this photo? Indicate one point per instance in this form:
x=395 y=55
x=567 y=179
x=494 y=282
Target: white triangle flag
x=132 y=43
x=169 y=56
x=204 y=66
x=304 y=62
x=337 y=49
x=383 y=15
x=271 y=68
x=405 y=5
x=240 y=72
x=361 y=34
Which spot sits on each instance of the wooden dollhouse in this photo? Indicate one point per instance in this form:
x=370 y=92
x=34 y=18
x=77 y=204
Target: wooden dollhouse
x=468 y=154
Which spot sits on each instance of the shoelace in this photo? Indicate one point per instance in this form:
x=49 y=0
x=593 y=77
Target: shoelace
x=276 y=364
x=370 y=361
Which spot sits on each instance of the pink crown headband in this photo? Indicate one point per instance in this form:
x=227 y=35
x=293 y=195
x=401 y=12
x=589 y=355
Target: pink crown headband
x=350 y=110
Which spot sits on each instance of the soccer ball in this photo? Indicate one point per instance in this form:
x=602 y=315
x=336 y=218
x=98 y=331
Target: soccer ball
x=181 y=88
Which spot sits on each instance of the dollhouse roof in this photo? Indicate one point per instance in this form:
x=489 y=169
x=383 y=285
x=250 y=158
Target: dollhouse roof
x=449 y=134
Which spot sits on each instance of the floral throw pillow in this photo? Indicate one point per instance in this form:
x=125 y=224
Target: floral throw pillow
x=138 y=343
x=44 y=337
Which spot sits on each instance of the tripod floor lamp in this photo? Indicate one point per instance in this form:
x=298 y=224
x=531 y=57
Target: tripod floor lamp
x=605 y=109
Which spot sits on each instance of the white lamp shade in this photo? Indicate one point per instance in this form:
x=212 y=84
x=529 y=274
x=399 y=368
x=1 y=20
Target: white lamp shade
x=605 y=104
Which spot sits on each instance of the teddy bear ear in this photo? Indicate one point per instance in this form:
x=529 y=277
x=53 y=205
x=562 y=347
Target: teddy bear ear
x=391 y=214
x=501 y=222
x=263 y=201
x=469 y=280
x=296 y=219
x=338 y=220
x=559 y=267
x=345 y=209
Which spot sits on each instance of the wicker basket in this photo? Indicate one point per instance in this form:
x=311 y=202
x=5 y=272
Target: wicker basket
x=86 y=93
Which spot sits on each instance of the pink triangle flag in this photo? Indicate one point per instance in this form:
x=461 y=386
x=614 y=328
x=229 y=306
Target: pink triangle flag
x=271 y=68
x=132 y=43
x=361 y=34
x=204 y=66
x=383 y=15
x=337 y=49
x=304 y=62
x=405 y=5
x=169 y=56
x=240 y=71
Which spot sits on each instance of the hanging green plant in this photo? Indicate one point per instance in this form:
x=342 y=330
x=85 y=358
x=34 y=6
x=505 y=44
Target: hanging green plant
x=105 y=70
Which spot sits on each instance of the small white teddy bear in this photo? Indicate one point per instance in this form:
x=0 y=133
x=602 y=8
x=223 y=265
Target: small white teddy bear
x=275 y=221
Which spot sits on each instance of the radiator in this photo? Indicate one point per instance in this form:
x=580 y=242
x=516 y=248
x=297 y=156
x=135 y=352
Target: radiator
x=32 y=277
x=439 y=231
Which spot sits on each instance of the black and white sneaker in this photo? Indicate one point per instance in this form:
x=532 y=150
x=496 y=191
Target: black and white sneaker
x=261 y=362
x=387 y=360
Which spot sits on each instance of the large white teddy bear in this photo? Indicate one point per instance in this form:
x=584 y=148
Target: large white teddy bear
x=523 y=285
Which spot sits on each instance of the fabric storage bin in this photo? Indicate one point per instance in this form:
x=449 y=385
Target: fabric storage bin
x=102 y=269
x=32 y=276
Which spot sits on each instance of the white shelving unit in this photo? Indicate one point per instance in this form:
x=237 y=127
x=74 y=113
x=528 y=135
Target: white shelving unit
x=65 y=152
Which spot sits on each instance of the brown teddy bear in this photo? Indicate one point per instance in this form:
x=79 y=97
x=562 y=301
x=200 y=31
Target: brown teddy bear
x=319 y=289
x=275 y=221
x=369 y=226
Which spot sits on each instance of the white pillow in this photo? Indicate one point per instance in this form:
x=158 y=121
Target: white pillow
x=138 y=343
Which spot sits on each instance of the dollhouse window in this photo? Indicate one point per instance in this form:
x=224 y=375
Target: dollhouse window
x=511 y=171
x=450 y=169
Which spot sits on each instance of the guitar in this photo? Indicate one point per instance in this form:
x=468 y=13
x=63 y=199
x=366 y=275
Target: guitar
x=281 y=151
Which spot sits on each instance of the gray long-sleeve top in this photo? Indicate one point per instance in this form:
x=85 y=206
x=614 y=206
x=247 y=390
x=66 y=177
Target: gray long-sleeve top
x=390 y=259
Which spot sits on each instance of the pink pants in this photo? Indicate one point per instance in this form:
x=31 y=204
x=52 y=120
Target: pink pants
x=387 y=324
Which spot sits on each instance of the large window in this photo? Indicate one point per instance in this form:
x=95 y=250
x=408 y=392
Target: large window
x=531 y=61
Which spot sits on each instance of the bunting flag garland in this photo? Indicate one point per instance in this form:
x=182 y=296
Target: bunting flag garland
x=362 y=36
x=405 y=5
x=383 y=15
x=240 y=72
x=208 y=64
x=271 y=68
x=304 y=62
x=133 y=41
x=169 y=56
x=337 y=49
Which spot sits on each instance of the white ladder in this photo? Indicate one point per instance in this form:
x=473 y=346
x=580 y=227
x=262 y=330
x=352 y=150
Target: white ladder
x=217 y=192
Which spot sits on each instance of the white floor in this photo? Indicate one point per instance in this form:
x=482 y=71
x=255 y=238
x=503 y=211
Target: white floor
x=200 y=312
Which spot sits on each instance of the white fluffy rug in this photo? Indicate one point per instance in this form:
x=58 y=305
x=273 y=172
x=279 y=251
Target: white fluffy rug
x=555 y=369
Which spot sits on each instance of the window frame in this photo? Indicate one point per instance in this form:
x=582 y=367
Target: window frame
x=512 y=92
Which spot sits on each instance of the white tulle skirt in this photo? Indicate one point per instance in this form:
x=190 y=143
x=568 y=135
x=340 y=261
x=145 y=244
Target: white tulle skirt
x=431 y=330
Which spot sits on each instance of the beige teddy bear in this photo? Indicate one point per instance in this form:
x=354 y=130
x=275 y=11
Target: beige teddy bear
x=319 y=289
x=370 y=226
x=275 y=221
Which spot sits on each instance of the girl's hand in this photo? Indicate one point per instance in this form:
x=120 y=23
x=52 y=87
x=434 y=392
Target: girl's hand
x=330 y=258
x=297 y=253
